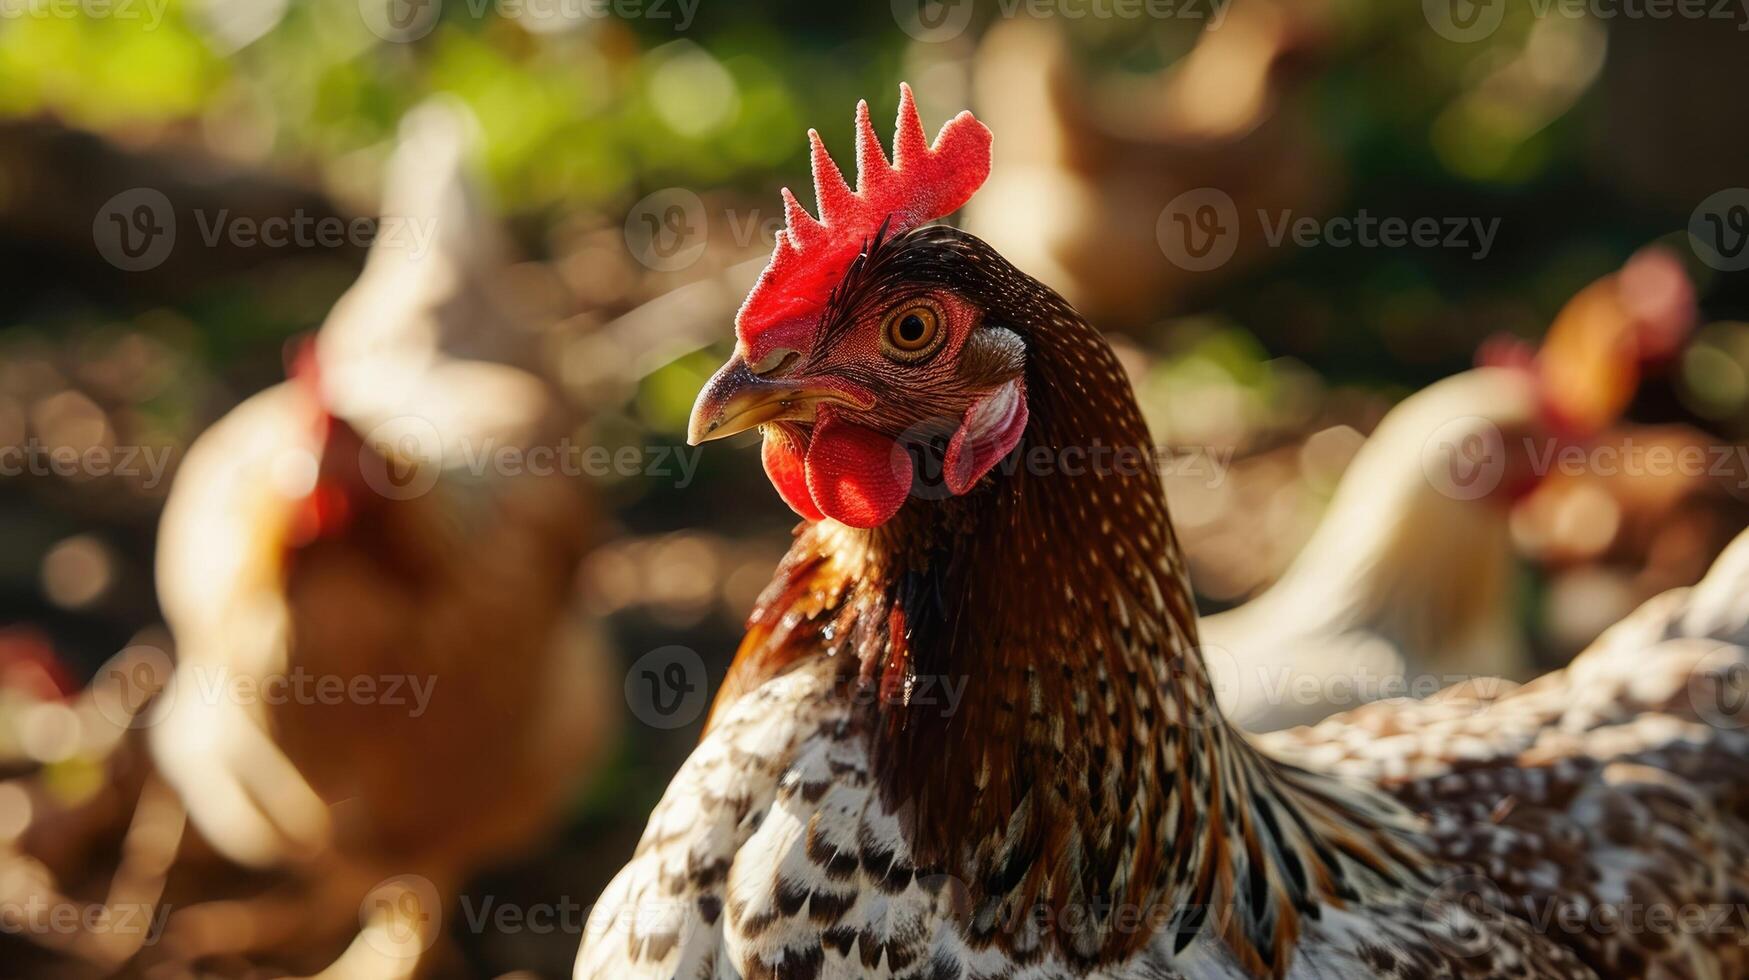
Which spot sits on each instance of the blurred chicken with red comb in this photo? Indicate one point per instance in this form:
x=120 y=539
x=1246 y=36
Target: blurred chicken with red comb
x=1407 y=584
x=380 y=671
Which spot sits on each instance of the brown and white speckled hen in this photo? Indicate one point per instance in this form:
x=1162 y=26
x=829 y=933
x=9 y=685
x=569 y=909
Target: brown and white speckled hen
x=969 y=733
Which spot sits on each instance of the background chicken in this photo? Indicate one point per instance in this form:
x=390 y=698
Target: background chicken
x=87 y=826
x=364 y=594
x=1407 y=586
x=1085 y=809
x=1097 y=154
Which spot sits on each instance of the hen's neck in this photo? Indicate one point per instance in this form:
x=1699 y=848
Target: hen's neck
x=1038 y=713
x=1082 y=770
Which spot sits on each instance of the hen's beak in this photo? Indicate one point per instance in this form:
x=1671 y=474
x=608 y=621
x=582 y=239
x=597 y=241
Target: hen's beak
x=735 y=400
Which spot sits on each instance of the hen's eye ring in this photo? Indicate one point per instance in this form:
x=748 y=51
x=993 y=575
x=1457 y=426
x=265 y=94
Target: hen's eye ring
x=912 y=331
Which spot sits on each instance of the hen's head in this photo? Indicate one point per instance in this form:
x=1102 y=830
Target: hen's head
x=1604 y=341
x=870 y=342
x=340 y=500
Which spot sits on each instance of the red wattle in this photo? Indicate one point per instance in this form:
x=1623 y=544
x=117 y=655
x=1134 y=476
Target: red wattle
x=785 y=467
x=855 y=475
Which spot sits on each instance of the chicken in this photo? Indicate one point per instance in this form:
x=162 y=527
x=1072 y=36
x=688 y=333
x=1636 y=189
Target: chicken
x=968 y=732
x=368 y=572
x=1405 y=586
x=1092 y=157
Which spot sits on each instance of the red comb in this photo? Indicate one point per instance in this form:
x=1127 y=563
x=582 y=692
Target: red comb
x=922 y=183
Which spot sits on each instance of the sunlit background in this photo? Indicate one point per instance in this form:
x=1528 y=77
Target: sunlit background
x=1579 y=135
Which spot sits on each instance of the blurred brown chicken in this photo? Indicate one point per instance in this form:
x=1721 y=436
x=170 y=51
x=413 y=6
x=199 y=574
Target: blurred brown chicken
x=368 y=571
x=1091 y=159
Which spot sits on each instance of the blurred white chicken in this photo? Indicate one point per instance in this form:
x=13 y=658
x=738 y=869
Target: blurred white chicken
x=379 y=669
x=1405 y=586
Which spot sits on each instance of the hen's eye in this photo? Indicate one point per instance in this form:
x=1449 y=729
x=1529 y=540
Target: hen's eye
x=912 y=332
